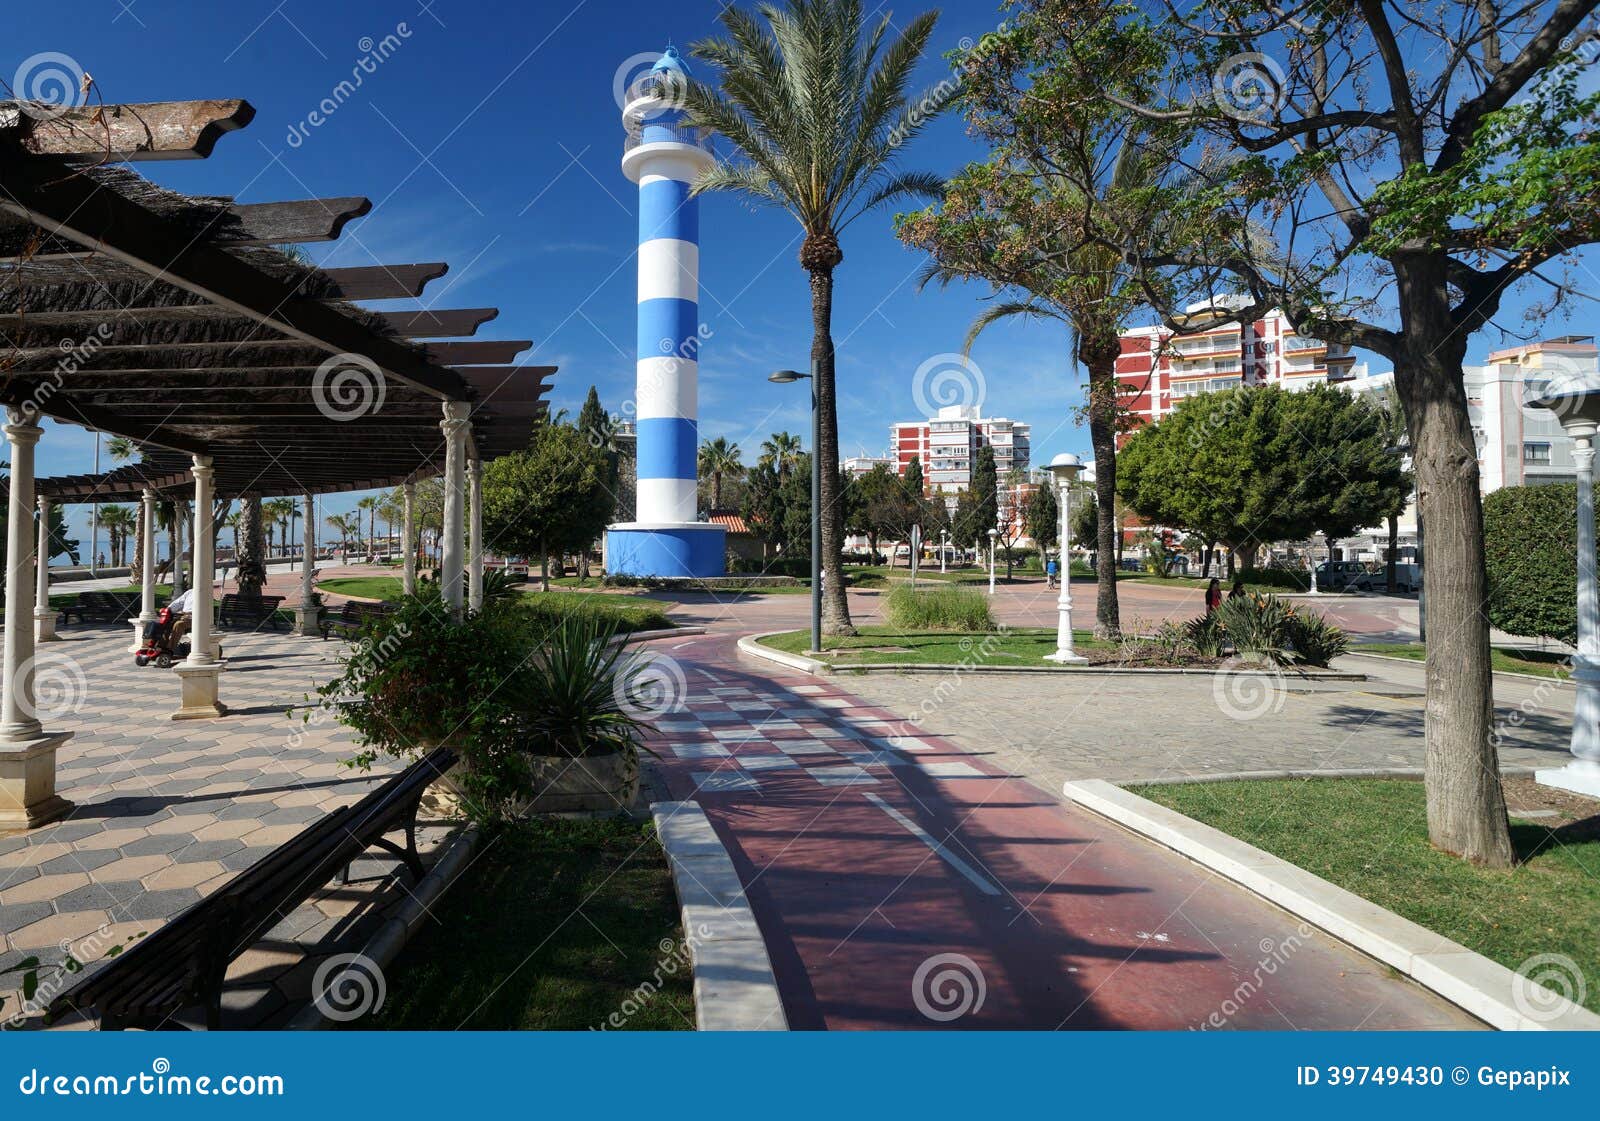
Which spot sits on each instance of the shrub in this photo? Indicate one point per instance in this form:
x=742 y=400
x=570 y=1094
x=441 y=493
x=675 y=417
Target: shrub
x=950 y=608
x=1256 y=626
x=1294 y=580
x=1206 y=636
x=1530 y=543
x=623 y=613
x=1316 y=641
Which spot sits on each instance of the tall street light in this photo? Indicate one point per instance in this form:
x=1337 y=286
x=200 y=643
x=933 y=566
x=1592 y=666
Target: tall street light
x=944 y=546
x=1577 y=406
x=1064 y=470
x=789 y=377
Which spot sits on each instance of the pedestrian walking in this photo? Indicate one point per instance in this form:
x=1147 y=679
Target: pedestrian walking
x=1213 y=595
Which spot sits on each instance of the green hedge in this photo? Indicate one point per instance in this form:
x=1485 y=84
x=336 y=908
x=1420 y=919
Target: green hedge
x=1531 y=546
x=946 y=608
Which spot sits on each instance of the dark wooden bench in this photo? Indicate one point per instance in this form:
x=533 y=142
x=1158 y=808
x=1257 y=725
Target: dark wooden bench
x=353 y=618
x=183 y=965
x=100 y=607
x=238 y=609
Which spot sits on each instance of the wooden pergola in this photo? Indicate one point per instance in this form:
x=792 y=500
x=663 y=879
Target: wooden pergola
x=192 y=327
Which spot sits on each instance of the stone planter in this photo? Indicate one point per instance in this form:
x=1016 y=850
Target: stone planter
x=594 y=782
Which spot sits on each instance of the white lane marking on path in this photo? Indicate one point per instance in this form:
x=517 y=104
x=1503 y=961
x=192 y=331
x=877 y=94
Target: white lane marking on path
x=940 y=850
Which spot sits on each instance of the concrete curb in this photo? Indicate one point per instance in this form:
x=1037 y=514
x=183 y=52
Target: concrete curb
x=1564 y=681
x=1323 y=772
x=734 y=987
x=751 y=644
x=1470 y=981
x=651 y=636
x=390 y=938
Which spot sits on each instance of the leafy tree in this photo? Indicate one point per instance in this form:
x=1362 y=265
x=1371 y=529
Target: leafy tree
x=1449 y=153
x=1531 y=544
x=880 y=506
x=795 y=494
x=718 y=459
x=1221 y=466
x=1042 y=520
x=817 y=103
x=548 y=499
x=762 y=504
x=977 y=507
x=1351 y=476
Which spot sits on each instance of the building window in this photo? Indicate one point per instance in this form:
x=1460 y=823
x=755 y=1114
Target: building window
x=1536 y=453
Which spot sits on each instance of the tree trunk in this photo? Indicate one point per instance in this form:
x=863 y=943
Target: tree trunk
x=544 y=575
x=1466 y=806
x=835 y=604
x=1101 y=362
x=249 y=548
x=1394 y=548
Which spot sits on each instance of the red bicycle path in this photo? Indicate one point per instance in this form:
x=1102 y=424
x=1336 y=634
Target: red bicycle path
x=901 y=882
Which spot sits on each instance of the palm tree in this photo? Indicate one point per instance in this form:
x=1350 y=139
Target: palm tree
x=1028 y=227
x=345 y=525
x=118 y=521
x=816 y=101
x=250 y=546
x=780 y=452
x=123 y=450
x=718 y=458
x=276 y=513
x=369 y=503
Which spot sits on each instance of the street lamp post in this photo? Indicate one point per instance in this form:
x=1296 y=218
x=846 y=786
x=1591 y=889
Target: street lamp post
x=788 y=377
x=1064 y=470
x=944 y=547
x=992 y=534
x=1577 y=406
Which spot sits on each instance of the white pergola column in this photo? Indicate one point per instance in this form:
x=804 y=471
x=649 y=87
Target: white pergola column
x=307 y=615
x=475 y=554
x=28 y=795
x=1582 y=773
x=147 y=570
x=199 y=672
x=44 y=616
x=408 y=572
x=452 y=567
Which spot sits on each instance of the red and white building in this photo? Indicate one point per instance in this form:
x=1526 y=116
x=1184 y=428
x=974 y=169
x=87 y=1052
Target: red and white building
x=1157 y=368
x=948 y=445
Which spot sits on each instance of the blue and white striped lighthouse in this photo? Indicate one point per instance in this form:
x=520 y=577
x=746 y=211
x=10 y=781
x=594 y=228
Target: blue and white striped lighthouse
x=663 y=156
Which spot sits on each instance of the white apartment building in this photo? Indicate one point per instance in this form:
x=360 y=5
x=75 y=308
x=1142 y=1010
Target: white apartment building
x=947 y=445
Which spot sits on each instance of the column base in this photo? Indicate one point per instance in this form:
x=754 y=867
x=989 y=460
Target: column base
x=1066 y=659
x=306 y=620
x=1581 y=776
x=28 y=797
x=198 y=692
x=138 y=626
x=44 y=621
x=667 y=550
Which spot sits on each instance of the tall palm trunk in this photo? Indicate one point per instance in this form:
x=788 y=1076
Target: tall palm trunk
x=249 y=546
x=1466 y=806
x=1101 y=360
x=835 y=605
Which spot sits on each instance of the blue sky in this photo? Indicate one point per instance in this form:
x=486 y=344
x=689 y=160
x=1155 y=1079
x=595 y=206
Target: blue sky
x=490 y=139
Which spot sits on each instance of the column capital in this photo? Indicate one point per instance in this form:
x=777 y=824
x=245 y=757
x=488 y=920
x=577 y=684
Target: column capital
x=44 y=501
x=456 y=413
x=21 y=429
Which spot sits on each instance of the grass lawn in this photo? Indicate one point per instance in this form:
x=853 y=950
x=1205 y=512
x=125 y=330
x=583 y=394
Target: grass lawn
x=1370 y=836
x=552 y=927
x=629 y=612
x=1024 y=645
x=1505 y=659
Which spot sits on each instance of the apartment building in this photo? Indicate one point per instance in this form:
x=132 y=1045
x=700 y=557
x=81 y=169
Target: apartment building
x=948 y=444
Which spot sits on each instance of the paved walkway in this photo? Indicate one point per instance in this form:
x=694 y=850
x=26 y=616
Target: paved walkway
x=165 y=812
x=901 y=882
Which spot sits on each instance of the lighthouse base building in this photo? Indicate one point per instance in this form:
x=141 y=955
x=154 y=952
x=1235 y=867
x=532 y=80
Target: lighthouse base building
x=663 y=156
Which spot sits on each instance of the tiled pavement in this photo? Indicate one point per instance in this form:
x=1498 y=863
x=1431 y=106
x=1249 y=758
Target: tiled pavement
x=166 y=811
x=901 y=882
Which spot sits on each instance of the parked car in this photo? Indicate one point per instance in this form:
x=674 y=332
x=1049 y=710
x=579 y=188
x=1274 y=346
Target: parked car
x=1407 y=579
x=1335 y=575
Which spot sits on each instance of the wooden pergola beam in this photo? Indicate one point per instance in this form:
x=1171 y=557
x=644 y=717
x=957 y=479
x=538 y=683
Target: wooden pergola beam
x=384 y=282
x=51 y=328
x=45 y=192
x=157 y=130
x=156 y=357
